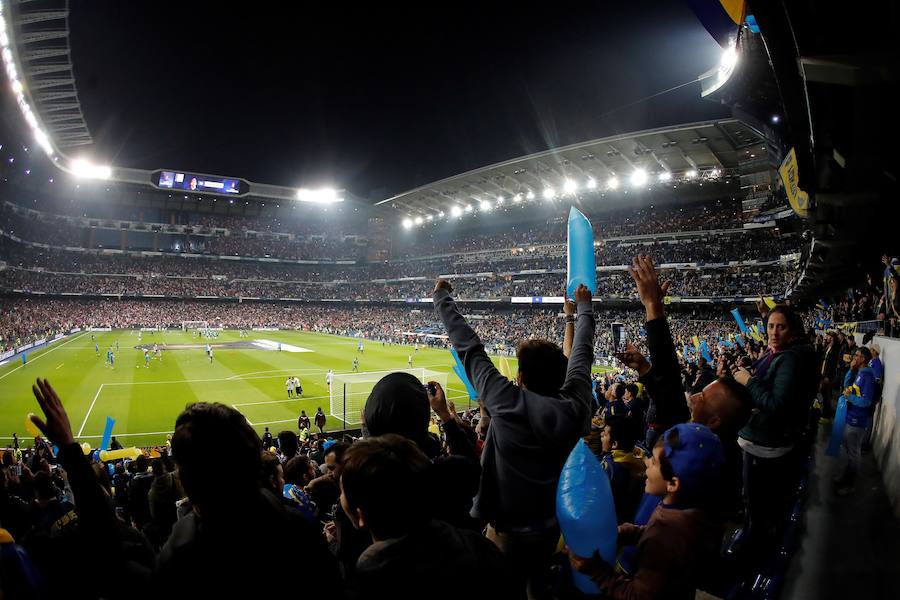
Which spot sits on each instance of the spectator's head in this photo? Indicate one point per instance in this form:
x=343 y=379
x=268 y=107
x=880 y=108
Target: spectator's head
x=876 y=351
x=398 y=404
x=44 y=490
x=383 y=483
x=701 y=362
x=784 y=326
x=299 y=471
x=620 y=433
x=272 y=474
x=685 y=463
x=861 y=358
x=288 y=444
x=632 y=391
x=724 y=404
x=542 y=367
x=218 y=457
x=158 y=468
x=140 y=464
x=334 y=458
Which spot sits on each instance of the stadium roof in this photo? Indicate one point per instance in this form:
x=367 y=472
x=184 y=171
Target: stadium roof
x=694 y=151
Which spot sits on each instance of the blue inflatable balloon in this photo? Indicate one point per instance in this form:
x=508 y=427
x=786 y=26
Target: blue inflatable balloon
x=586 y=511
x=582 y=265
x=837 y=428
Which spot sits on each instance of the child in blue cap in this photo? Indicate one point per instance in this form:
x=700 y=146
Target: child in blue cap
x=680 y=537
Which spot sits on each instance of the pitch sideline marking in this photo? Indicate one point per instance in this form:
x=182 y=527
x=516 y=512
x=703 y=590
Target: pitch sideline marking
x=91 y=408
x=42 y=355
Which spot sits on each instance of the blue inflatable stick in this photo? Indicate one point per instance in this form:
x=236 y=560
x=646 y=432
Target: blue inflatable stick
x=740 y=320
x=582 y=265
x=739 y=340
x=461 y=373
x=586 y=511
x=837 y=428
x=704 y=351
x=107 y=433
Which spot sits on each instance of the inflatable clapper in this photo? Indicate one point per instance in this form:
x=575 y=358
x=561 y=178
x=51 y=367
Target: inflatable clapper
x=837 y=428
x=586 y=512
x=582 y=266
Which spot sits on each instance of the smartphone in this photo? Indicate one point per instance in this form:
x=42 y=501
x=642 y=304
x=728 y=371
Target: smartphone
x=618 y=337
x=430 y=389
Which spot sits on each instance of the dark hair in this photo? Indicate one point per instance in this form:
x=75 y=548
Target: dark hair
x=794 y=321
x=624 y=431
x=43 y=486
x=140 y=463
x=634 y=389
x=542 y=366
x=867 y=354
x=157 y=467
x=269 y=470
x=296 y=470
x=386 y=478
x=203 y=432
x=737 y=418
x=287 y=441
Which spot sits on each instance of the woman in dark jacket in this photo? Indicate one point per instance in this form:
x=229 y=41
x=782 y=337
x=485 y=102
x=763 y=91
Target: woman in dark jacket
x=782 y=387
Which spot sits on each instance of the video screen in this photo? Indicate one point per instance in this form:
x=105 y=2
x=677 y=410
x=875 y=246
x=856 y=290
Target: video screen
x=198 y=183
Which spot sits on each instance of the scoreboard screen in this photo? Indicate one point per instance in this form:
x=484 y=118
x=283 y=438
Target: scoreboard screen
x=191 y=182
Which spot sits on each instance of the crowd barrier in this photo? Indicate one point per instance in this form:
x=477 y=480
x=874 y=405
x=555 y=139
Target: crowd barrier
x=886 y=428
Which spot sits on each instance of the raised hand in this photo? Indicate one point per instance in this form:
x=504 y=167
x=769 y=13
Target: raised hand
x=57 y=427
x=647 y=282
x=633 y=359
x=438 y=401
x=582 y=294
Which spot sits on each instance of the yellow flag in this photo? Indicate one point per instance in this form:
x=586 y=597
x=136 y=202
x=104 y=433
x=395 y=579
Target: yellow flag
x=770 y=301
x=696 y=342
x=798 y=199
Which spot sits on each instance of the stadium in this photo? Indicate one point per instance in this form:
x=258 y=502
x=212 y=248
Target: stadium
x=520 y=352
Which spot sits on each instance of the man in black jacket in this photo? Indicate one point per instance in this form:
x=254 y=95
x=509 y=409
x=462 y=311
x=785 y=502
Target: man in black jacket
x=384 y=483
x=215 y=551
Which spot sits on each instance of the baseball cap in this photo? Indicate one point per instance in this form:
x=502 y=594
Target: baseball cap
x=696 y=457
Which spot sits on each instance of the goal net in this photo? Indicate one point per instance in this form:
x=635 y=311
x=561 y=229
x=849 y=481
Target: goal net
x=349 y=391
x=189 y=325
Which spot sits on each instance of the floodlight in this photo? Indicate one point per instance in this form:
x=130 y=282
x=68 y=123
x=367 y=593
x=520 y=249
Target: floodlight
x=86 y=169
x=638 y=177
x=16 y=86
x=612 y=183
x=407 y=223
x=484 y=206
x=549 y=193
x=530 y=195
x=691 y=174
x=419 y=220
x=715 y=173
x=319 y=196
x=775 y=118
x=468 y=208
x=569 y=186
x=591 y=183
x=441 y=214
x=430 y=217
x=456 y=211
x=517 y=198
x=665 y=176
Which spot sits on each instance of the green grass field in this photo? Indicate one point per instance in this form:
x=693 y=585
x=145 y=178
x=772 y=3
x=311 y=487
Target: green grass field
x=145 y=401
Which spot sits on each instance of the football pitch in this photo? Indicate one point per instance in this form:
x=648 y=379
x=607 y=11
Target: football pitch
x=248 y=373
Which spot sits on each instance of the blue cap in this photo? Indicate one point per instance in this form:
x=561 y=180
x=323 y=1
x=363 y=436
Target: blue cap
x=697 y=458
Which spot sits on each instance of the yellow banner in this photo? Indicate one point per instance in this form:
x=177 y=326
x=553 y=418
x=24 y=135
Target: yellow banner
x=798 y=199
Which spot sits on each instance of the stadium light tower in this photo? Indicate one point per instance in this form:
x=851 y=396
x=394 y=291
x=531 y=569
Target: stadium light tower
x=638 y=177
x=320 y=196
x=88 y=170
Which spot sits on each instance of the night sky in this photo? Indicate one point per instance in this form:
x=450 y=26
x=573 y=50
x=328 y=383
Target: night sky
x=375 y=98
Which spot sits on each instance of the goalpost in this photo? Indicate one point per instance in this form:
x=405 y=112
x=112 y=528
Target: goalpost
x=188 y=325
x=349 y=391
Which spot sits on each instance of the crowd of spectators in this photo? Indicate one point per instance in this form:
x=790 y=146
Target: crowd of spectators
x=693 y=448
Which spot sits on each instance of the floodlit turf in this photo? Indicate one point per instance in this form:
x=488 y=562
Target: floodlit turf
x=145 y=401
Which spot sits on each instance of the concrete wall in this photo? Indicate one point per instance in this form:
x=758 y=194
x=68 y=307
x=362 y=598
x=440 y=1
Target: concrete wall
x=886 y=430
